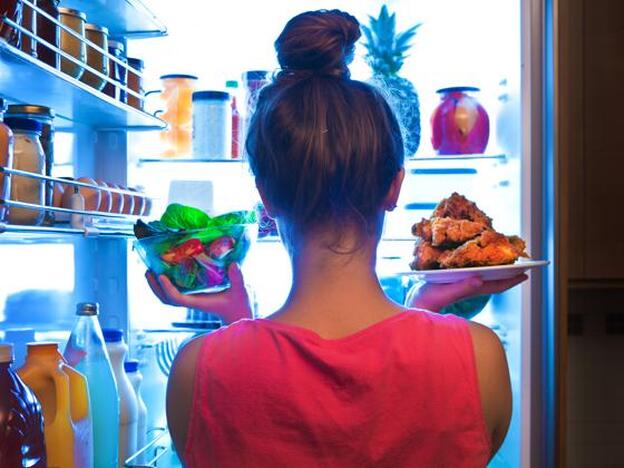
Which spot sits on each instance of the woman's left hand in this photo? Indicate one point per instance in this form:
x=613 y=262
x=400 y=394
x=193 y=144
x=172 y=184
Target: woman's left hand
x=230 y=305
x=435 y=297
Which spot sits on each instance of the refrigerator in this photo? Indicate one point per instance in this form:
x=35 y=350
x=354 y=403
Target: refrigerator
x=503 y=47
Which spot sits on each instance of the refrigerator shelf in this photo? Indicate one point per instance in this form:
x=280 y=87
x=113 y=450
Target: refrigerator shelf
x=25 y=79
x=123 y=18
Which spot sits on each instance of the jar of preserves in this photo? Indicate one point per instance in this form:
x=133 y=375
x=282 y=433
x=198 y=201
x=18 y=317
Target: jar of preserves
x=116 y=72
x=48 y=31
x=6 y=160
x=27 y=156
x=45 y=116
x=135 y=82
x=96 y=59
x=177 y=97
x=13 y=10
x=72 y=45
x=212 y=124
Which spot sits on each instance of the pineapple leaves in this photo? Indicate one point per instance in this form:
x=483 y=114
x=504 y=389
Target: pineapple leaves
x=386 y=48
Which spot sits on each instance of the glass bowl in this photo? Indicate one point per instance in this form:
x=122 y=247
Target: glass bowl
x=197 y=261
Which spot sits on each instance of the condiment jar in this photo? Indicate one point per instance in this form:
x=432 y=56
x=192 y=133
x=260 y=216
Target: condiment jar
x=253 y=81
x=45 y=116
x=27 y=156
x=48 y=31
x=6 y=160
x=96 y=59
x=10 y=9
x=116 y=72
x=135 y=82
x=212 y=124
x=72 y=45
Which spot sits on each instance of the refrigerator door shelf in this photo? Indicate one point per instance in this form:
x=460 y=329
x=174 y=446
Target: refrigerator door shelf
x=26 y=79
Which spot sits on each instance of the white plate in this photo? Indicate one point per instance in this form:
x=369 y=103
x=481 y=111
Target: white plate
x=488 y=273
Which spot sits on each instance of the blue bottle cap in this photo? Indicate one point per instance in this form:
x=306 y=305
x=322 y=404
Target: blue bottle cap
x=112 y=335
x=131 y=365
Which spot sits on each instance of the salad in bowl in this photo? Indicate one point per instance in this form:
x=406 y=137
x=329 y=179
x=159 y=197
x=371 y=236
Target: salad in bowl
x=193 y=249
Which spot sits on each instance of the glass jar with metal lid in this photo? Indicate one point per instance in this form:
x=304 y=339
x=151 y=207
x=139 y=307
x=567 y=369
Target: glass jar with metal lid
x=116 y=72
x=45 y=116
x=96 y=59
x=70 y=44
x=48 y=31
x=27 y=156
x=6 y=159
x=135 y=82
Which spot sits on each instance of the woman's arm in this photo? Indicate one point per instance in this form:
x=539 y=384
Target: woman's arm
x=494 y=382
x=180 y=393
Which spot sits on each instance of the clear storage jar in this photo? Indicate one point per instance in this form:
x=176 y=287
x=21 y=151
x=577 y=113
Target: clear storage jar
x=6 y=160
x=96 y=59
x=45 y=116
x=116 y=72
x=212 y=124
x=27 y=156
x=70 y=44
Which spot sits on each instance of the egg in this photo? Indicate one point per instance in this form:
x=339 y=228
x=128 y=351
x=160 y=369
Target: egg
x=57 y=198
x=147 y=206
x=139 y=202
x=128 y=204
x=106 y=199
x=92 y=196
x=117 y=198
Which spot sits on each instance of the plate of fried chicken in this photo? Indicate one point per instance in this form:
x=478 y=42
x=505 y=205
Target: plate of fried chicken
x=458 y=241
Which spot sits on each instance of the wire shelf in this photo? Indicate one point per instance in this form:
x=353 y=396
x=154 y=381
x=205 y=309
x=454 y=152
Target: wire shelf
x=27 y=79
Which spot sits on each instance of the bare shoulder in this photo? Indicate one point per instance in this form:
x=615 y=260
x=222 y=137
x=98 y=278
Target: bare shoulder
x=494 y=384
x=180 y=391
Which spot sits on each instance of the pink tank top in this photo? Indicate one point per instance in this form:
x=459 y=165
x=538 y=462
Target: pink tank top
x=400 y=393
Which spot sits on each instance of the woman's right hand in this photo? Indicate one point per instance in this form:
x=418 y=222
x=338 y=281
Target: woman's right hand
x=230 y=305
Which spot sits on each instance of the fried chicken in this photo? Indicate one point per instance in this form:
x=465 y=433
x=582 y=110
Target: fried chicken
x=459 y=207
x=489 y=248
x=425 y=256
x=459 y=235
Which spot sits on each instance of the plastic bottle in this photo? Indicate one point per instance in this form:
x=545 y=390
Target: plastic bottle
x=128 y=406
x=76 y=220
x=64 y=397
x=21 y=423
x=232 y=87
x=132 y=371
x=86 y=351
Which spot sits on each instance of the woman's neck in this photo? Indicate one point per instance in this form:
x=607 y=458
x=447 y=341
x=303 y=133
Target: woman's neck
x=333 y=293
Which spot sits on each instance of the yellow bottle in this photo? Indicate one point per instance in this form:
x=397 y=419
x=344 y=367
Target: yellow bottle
x=64 y=397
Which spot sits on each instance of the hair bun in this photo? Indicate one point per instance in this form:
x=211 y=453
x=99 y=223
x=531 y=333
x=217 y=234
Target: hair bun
x=318 y=43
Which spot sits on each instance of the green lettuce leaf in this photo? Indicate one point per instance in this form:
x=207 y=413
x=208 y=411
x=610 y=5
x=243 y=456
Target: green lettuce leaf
x=184 y=217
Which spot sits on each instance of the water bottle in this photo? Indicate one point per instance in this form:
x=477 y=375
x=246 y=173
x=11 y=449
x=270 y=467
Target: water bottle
x=132 y=371
x=86 y=352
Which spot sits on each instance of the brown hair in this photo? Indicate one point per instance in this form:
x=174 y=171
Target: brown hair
x=324 y=148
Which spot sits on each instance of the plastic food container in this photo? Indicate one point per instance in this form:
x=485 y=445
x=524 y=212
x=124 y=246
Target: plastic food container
x=197 y=261
x=212 y=125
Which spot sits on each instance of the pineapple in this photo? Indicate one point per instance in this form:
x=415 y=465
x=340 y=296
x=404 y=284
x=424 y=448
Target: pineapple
x=386 y=53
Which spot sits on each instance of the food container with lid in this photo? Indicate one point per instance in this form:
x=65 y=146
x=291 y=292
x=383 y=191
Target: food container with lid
x=135 y=82
x=6 y=159
x=116 y=72
x=95 y=58
x=45 y=116
x=212 y=124
x=48 y=31
x=177 y=97
x=27 y=156
x=70 y=44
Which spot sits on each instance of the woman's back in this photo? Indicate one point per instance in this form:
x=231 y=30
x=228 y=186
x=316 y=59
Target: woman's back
x=403 y=392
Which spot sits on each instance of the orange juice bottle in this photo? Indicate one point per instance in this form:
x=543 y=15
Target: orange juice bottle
x=64 y=398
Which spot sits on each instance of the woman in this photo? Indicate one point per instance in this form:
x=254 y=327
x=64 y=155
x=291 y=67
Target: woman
x=340 y=375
